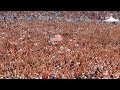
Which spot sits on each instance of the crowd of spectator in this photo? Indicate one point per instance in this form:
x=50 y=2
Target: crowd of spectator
x=56 y=15
x=33 y=49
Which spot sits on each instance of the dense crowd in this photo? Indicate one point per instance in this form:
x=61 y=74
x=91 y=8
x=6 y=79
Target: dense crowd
x=63 y=50
x=56 y=15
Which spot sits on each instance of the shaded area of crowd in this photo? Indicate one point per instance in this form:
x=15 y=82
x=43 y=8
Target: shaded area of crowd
x=69 y=16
